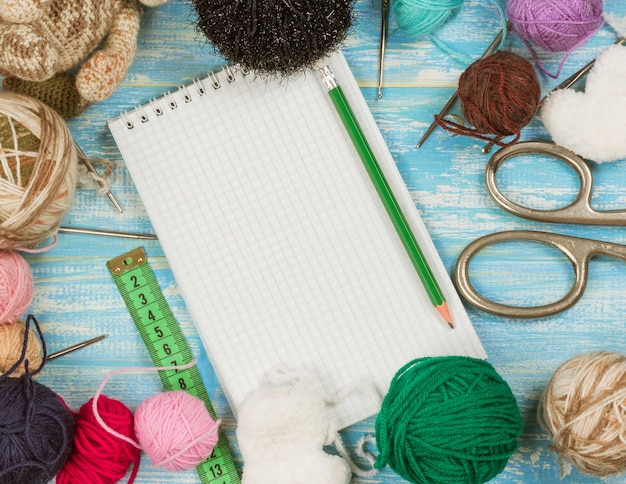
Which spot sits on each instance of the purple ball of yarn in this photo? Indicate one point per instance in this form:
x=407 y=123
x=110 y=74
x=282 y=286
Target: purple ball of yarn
x=555 y=25
x=36 y=431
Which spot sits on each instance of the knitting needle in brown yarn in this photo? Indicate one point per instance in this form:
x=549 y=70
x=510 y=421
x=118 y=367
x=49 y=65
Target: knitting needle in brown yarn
x=492 y=47
x=91 y=168
x=110 y=233
x=383 y=42
x=566 y=84
x=75 y=347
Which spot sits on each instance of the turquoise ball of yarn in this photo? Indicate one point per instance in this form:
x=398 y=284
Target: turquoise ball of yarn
x=423 y=17
x=450 y=419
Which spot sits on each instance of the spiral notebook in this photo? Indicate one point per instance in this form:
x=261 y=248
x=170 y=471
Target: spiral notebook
x=277 y=239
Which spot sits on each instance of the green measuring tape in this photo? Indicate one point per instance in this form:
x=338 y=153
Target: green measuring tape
x=167 y=346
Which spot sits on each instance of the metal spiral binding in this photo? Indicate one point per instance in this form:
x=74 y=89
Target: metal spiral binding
x=171 y=102
x=129 y=124
x=230 y=75
x=199 y=87
x=184 y=90
x=215 y=82
x=142 y=115
x=155 y=107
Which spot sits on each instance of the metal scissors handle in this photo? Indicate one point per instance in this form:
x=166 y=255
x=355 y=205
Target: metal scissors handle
x=579 y=251
x=577 y=212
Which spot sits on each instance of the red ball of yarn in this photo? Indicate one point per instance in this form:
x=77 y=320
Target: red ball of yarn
x=499 y=95
x=99 y=457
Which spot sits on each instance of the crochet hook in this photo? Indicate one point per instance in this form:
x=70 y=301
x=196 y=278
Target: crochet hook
x=383 y=42
x=492 y=47
x=75 y=347
x=91 y=168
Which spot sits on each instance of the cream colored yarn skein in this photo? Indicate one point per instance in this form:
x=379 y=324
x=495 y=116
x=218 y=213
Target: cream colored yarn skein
x=11 y=344
x=38 y=171
x=583 y=408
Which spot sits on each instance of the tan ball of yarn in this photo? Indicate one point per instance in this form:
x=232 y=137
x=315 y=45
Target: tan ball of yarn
x=583 y=408
x=11 y=344
x=38 y=171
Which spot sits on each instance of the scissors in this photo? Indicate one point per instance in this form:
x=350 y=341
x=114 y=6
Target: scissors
x=579 y=251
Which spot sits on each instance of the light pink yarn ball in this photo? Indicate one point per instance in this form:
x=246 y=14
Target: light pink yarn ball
x=16 y=286
x=175 y=430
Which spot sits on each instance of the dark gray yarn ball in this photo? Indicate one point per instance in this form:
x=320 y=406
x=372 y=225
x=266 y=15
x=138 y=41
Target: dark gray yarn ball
x=281 y=37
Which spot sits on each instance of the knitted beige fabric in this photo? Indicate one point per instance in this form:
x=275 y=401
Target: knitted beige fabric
x=41 y=38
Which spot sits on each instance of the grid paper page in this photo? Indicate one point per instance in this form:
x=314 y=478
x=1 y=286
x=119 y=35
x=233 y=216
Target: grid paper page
x=278 y=241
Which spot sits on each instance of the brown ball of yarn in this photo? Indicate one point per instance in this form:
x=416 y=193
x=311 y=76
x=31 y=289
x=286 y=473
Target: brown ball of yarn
x=583 y=408
x=38 y=171
x=11 y=344
x=499 y=95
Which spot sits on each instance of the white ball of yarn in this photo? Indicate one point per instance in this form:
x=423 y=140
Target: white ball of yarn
x=38 y=171
x=583 y=408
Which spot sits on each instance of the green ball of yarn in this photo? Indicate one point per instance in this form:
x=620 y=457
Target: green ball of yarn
x=450 y=419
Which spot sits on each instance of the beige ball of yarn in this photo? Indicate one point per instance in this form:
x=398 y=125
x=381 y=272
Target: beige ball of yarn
x=11 y=344
x=583 y=408
x=38 y=171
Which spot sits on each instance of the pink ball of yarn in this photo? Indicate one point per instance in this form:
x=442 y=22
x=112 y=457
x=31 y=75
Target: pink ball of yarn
x=16 y=286
x=555 y=25
x=175 y=430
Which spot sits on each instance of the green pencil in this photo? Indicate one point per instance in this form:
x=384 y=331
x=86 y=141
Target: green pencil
x=386 y=195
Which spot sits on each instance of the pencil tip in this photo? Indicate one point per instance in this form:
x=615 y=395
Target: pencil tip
x=444 y=310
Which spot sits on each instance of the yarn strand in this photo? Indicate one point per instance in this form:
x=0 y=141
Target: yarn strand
x=111 y=374
x=22 y=357
x=421 y=18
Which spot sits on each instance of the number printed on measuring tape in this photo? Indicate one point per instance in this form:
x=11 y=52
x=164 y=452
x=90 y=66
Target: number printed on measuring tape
x=167 y=346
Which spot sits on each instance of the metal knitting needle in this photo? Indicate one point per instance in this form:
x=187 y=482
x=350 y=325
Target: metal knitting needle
x=383 y=42
x=110 y=233
x=451 y=101
x=578 y=74
x=91 y=168
x=566 y=84
x=75 y=347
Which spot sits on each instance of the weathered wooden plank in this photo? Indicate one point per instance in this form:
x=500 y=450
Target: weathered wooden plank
x=75 y=298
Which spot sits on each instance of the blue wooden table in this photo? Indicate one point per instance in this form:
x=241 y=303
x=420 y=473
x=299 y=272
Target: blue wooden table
x=76 y=299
